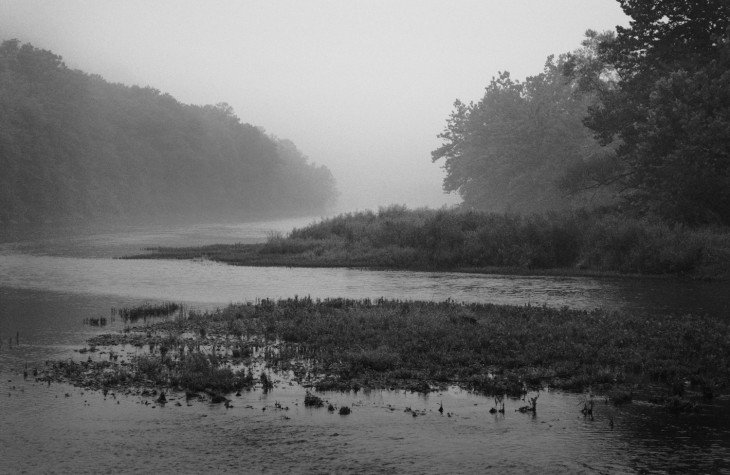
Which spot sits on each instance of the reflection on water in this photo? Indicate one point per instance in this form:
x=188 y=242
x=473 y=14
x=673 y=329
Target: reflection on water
x=50 y=283
x=123 y=434
x=208 y=282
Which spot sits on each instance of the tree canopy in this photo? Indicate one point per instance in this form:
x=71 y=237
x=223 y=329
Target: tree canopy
x=669 y=115
x=513 y=148
x=76 y=147
x=641 y=116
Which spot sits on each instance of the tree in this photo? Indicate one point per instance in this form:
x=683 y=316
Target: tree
x=669 y=116
x=75 y=147
x=599 y=172
x=510 y=150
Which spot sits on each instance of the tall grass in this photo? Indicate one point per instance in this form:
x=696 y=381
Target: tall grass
x=453 y=239
x=499 y=349
x=348 y=344
x=427 y=239
x=133 y=314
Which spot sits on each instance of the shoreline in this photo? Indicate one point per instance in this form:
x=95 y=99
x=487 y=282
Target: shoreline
x=568 y=243
x=247 y=255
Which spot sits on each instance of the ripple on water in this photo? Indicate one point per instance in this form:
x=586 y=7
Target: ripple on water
x=86 y=432
x=220 y=284
x=48 y=286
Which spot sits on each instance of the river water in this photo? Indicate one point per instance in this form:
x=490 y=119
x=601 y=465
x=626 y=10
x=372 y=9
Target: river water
x=52 y=279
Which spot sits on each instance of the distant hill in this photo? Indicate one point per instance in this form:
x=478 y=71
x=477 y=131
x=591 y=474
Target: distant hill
x=74 y=147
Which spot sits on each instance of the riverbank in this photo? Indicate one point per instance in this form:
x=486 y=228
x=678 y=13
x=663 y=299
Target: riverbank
x=458 y=241
x=347 y=345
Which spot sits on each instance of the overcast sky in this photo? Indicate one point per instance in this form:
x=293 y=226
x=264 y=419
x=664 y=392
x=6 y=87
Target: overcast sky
x=363 y=87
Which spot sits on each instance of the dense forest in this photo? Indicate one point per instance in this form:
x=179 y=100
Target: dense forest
x=637 y=120
x=74 y=147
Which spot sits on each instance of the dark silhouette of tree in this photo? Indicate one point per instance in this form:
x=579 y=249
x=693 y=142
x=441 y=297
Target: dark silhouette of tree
x=513 y=148
x=669 y=116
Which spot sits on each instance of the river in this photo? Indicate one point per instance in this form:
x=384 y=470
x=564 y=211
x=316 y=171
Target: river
x=52 y=279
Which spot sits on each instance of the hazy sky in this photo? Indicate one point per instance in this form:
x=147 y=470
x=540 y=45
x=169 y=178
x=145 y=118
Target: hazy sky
x=363 y=87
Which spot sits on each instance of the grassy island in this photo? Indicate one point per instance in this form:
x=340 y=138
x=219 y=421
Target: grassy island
x=351 y=344
x=454 y=240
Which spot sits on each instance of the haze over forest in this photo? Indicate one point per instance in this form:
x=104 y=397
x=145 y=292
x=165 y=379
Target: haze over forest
x=361 y=88
x=75 y=147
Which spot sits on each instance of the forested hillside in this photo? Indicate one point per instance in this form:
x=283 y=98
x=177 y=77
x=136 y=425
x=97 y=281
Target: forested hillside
x=74 y=147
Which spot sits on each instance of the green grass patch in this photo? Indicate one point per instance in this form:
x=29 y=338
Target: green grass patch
x=425 y=239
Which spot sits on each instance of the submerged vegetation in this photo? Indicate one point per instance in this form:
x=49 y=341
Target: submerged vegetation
x=424 y=239
x=351 y=344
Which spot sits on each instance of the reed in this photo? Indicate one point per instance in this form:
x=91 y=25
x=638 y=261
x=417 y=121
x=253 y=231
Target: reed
x=344 y=344
x=310 y=400
x=425 y=239
x=144 y=311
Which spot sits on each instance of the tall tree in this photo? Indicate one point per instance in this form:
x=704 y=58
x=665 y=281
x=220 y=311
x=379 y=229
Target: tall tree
x=669 y=115
x=510 y=150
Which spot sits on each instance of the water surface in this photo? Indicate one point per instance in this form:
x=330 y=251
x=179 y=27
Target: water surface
x=50 y=281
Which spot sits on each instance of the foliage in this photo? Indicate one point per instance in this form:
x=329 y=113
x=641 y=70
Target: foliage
x=493 y=349
x=310 y=400
x=198 y=372
x=132 y=314
x=655 y=97
x=512 y=149
x=426 y=239
x=75 y=147
x=669 y=115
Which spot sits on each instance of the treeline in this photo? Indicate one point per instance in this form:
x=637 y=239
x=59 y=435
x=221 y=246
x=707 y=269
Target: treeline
x=76 y=147
x=638 y=119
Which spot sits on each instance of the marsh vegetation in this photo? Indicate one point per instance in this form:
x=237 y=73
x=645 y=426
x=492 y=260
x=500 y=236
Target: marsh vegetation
x=423 y=239
x=346 y=345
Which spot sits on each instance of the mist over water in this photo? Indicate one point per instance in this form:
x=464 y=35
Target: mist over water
x=204 y=111
x=363 y=89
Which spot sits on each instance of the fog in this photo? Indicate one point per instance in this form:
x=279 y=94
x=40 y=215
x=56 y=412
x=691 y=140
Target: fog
x=361 y=87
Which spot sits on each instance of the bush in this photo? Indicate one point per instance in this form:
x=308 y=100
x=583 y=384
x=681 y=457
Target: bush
x=461 y=240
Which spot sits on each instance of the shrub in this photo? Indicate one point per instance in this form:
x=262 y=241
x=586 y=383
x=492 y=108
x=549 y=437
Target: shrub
x=310 y=400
